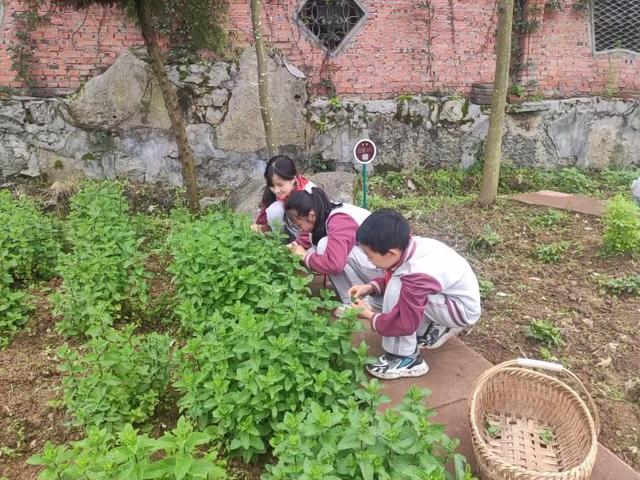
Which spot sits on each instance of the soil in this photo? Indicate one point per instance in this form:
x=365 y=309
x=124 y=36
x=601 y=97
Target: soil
x=600 y=331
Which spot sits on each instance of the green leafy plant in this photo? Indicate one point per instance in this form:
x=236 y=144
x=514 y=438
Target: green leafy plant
x=493 y=430
x=353 y=440
x=549 y=218
x=544 y=332
x=29 y=241
x=486 y=288
x=546 y=436
x=517 y=90
x=104 y=275
x=628 y=285
x=252 y=368
x=181 y=454
x=484 y=242
x=552 y=252
x=115 y=379
x=621 y=226
x=14 y=312
x=219 y=262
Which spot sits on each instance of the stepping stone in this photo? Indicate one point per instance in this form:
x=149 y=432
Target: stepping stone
x=564 y=201
x=453 y=370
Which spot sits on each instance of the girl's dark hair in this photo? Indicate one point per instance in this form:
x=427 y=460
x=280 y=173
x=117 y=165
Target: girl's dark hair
x=301 y=202
x=282 y=166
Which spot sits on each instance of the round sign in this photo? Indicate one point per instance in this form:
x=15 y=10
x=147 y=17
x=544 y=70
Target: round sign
x=364 y=151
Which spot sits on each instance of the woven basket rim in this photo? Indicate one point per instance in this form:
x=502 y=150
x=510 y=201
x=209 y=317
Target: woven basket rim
x=481 y=447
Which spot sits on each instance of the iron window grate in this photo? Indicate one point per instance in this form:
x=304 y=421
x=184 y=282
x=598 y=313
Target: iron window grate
x=616 y=25
x=331 y=22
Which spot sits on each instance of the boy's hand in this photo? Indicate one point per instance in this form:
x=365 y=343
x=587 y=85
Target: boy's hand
x=365 y=312
x=360 y=291
x=256 y=228
x=297 y=249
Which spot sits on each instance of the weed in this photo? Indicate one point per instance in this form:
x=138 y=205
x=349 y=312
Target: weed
x=544 y=332
x=486 y=288
x=549 y=218
x=552 y=252
x=629 y=285
x=621 y=226
x=484 y=242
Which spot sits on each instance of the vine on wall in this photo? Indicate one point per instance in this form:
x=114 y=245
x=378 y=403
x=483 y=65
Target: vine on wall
x=22 y=49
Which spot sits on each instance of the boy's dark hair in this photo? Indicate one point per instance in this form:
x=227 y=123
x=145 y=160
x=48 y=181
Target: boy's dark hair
x=282 y=166
x=383 y=230
x=301 y=202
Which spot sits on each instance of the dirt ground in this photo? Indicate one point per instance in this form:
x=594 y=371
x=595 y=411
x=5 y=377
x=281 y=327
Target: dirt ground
x=601 y=331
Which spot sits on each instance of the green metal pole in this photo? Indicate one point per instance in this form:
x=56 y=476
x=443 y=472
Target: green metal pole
x=365 y=200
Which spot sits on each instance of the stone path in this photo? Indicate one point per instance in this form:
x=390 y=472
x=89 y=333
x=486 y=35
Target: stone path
x=453 y=370
x=565 y=201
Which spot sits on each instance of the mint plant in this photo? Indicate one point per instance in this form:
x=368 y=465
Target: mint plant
x=181 y=454
x=29 y=241
x=115 y=379
x=252 y=368
x=352 y=440
x=621 y=226
x=15 y=307
x=219 y=262
x=104 y=276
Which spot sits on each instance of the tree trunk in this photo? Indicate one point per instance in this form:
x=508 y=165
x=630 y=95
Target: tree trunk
x=263 y=85
x=493 y=146
x=170 y=101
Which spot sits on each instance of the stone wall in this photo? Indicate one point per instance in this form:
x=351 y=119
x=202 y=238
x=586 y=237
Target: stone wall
x=116 y=126
x=429 y=131
x=397 y=49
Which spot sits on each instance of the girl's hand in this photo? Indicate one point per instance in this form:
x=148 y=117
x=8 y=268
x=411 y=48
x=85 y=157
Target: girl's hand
x=360 y=291
x=365 y=312
x=297 y=249
x=256 y=228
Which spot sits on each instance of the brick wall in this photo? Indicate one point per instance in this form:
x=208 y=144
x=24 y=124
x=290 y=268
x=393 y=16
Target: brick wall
x=388 y=56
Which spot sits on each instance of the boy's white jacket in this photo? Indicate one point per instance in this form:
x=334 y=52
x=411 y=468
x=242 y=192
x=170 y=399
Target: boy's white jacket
x=428 y=267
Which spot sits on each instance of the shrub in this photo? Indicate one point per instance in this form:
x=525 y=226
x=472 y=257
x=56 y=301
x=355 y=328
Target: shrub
x=115 y=379
x=177 y=455
x=29 y=241
x=104 y=276
x=352 y=441
x=621 y=226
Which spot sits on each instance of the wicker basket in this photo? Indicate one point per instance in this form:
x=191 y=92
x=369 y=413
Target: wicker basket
x=527 y=425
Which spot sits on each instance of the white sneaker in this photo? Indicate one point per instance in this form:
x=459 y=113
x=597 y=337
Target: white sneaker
x=391 y=366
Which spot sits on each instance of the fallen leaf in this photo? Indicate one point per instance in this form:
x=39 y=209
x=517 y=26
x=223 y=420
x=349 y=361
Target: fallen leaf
x=604 y=363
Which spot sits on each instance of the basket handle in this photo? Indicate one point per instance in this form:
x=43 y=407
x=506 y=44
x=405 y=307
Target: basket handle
x=559 y=368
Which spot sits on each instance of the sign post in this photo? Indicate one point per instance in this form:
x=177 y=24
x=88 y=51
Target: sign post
x=364 y=153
